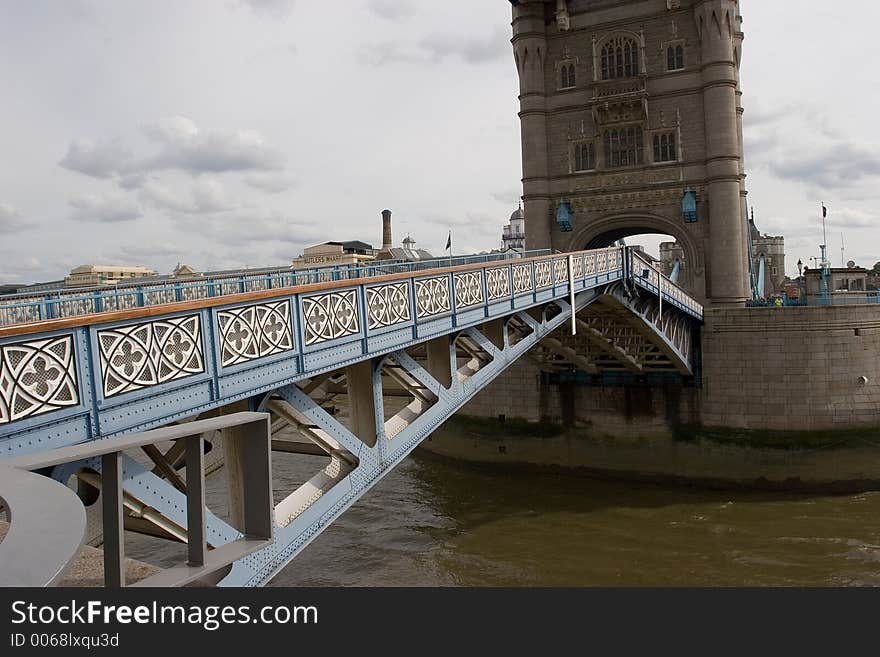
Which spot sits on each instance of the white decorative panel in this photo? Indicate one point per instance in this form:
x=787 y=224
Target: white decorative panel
x=37 y=377
x=602 y=262
x=498 y=282
x=330 y=316
x=253 y=332
x=579 y=267
x=522 y=278
x=560 y=270
x=591 y=264
x=543 y=274
x=193 y=292
x=151 y=353
x=432 y=296
x=388 y=305
x=468 y=289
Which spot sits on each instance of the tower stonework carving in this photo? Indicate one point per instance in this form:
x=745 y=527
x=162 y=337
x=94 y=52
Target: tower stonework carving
x=628 y=111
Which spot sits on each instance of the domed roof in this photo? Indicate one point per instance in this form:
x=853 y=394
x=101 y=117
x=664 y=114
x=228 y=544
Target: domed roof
x=517 y=215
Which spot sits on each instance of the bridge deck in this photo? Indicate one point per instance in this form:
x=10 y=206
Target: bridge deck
x=69 y=380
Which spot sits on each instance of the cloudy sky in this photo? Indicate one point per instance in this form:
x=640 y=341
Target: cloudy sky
x=231 y=133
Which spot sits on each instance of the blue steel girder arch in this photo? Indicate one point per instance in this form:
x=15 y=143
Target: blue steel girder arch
x=312 y=510
x=605 y=230
x=671 y=332
x=625 y=330
x=69 y=381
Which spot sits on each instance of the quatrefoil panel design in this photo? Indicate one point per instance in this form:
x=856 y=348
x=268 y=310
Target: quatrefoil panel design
x=432 y=297
x=522 y=278
x=330 y=316
x=388 y=305
x=578 y=267
x=498 y=283
x=543 y=274
x=37 y=377
x=148 y=354
x=253 y=332
x=468 y=290
x=602 y=262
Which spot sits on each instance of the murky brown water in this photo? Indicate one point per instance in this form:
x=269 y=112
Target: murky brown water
x=436 y=523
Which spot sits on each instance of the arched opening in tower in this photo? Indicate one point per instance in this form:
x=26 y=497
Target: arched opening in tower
x=664 y=250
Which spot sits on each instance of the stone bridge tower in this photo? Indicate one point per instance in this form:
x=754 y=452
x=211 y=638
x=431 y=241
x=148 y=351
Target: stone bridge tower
x=632 y=123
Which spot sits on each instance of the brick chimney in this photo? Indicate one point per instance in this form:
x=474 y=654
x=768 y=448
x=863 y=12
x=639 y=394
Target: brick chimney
x=386 y=231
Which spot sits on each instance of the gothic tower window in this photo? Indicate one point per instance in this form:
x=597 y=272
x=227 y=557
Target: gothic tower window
x=664 y=147
x=620 y=58
x=624 y=146
x=567 y=75
x=675 y=58
x=584 y=157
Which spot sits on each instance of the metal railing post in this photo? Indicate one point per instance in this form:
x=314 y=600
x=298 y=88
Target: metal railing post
x=114 y=542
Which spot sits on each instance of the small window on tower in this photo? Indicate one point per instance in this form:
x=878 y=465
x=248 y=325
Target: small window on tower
x=675 y=58
x=584 y=157
x=567 y=76
x=664 y=148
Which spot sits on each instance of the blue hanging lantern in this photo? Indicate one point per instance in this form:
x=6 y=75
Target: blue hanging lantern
x=689 y=206
x=563 y=216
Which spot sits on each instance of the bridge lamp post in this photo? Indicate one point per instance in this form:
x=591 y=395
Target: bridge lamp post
x=802 y=283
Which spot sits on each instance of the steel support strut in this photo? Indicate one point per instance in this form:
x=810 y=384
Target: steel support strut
x=454 y=370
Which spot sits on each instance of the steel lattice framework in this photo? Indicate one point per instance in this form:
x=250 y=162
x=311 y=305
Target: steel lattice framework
x=440 y=336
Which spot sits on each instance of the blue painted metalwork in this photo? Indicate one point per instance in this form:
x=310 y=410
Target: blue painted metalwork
x=676 y=271
x=23 y=308
x=762 y=271
x=563 y=216
x=689 y=206
x=66 y=381
x=120 y=387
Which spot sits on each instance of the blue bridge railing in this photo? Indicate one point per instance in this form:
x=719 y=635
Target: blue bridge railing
x=25 y=308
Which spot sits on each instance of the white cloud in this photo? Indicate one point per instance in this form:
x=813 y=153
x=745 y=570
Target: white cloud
x=438 y=46
x=271 y=8
x=210 y=196
x=274 y=228
x=273 y=183
x=104 y=208
x=205 y=196
x=392 y=10
x=11 y=220
x=183 y=146
x=180 y=145
x=97 y=159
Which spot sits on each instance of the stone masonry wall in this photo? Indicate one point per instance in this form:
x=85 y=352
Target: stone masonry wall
x=792 y=368
x=621 y=411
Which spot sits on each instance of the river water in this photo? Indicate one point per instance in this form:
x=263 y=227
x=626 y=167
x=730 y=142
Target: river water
x=432 y=522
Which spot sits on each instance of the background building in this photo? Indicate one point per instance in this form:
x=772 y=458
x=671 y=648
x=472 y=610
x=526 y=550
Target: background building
x=513 y=236
x=770 y=249
x=670 y=254
x=335 y=253
x=408 y=252
x=87 y=275
x=843 y=283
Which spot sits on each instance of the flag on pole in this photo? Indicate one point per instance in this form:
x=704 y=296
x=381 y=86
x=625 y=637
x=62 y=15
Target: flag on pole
x=449 y=241
x=824 y=211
